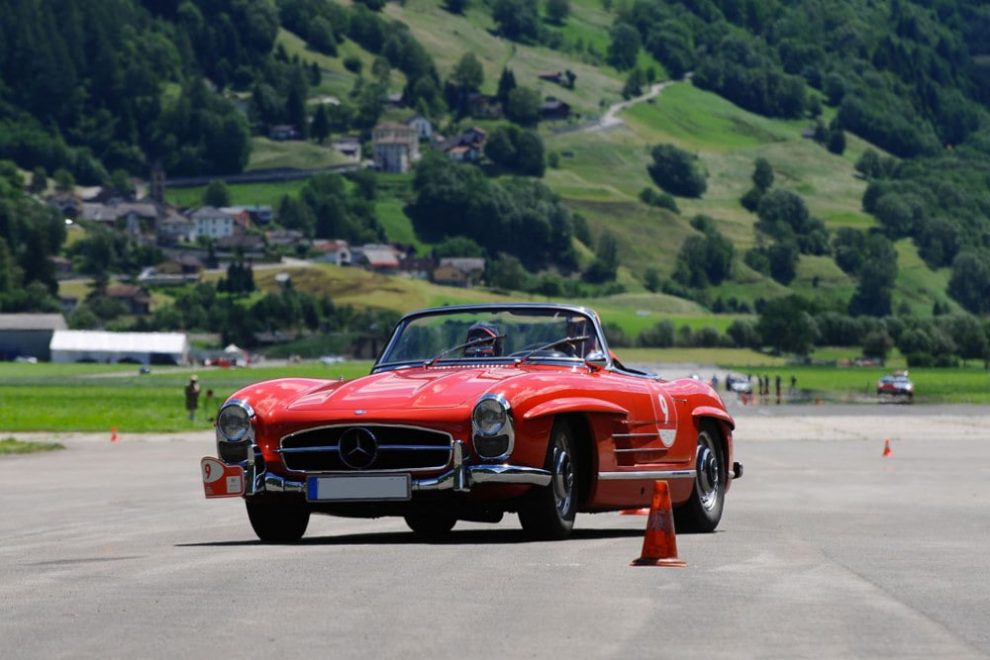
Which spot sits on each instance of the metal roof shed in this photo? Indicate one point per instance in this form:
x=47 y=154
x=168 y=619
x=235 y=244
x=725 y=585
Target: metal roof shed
x=138 y=347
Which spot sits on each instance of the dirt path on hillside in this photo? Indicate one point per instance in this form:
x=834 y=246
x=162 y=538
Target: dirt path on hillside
x=611 y=119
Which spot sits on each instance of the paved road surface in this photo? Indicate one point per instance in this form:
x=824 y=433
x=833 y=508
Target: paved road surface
x=826 y=549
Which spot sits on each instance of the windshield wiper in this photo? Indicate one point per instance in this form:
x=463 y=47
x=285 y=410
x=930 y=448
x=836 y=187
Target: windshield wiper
x=553 y=344
x=467 y=344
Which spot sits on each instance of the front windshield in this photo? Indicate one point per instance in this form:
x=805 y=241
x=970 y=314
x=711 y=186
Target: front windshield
x=493 y=334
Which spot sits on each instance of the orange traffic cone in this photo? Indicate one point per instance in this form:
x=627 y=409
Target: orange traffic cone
x=113 y=435
x=634 y=512
x=886 y=448
x=660 y=542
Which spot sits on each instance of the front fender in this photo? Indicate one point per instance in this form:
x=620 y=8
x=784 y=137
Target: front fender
x=714 y=412
x=573 y=404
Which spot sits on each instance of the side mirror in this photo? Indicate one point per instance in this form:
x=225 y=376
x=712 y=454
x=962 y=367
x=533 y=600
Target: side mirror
x=596 y=360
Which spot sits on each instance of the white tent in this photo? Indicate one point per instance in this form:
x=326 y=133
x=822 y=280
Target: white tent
x=101 y=346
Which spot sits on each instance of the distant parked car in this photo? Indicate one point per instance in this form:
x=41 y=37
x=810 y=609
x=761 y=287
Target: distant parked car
x=896 y=386
x=738 y=384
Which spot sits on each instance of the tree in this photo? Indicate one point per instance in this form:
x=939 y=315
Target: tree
x=456 y=6
x=506 y=83
x=320 y=130
x=762 y=174
x=517 y=20
x=606 y=263
x=634 y=84
x=558 y=10
x=524 y=106
x=623 y=48
x=64 y=181
x=783 y=258
x=468 y=75
x=39 y=180
x=216 y=194
x=677 y=171
x=970 y=281
x=877 y=344
x=786 y=325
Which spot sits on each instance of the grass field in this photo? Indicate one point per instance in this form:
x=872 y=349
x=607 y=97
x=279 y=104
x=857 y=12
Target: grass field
x=100 y=398
x=55 y=397
x=299 y=154
x=247 y=194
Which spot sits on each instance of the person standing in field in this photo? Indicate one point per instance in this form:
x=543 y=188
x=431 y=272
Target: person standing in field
x=209 y=406
x=192 y=396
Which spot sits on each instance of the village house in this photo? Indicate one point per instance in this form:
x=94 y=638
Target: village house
x=211 y=223
x=483 y=106
x=332 y=251
x=396 y=147
x=376 y=257
x=422 y=126
x=173 y=228
x=551 y=76
x=349 y=147
x=459 y=271
x=468 y=146
x=136 y=299
x=282 y=132
x=555 y=109
x=284 y=237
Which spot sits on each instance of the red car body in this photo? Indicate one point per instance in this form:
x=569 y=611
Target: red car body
x=544 y=433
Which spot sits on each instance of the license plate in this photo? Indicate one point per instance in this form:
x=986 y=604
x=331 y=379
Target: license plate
x=358 y=488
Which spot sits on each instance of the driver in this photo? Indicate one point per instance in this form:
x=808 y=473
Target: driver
x=488 y=341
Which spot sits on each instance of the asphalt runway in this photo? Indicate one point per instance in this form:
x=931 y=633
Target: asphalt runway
x=826 y=549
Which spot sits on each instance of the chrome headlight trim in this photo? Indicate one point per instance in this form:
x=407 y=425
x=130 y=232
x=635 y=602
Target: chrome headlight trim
x=505 y=428
x=236 y=407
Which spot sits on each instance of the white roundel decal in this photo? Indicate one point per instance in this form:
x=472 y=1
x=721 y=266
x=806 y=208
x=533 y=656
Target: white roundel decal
x=667 y=419
x=212 y=470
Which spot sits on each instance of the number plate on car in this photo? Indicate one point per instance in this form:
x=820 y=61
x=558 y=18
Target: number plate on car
x=358 y=488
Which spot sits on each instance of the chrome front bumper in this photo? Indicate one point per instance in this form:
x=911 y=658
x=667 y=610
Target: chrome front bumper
x=459 y=478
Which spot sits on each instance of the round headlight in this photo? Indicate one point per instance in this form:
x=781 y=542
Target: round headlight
x=490 y=417
x=234 y=422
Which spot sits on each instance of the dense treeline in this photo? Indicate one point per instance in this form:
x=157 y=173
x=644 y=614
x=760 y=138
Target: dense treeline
x=518 y=216
x=30 y=233
x=905 y=75
x=104 y=84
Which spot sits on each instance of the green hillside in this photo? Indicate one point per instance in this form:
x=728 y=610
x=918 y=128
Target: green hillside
x=831 y=158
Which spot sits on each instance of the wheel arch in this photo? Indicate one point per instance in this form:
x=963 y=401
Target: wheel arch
x=580 y=425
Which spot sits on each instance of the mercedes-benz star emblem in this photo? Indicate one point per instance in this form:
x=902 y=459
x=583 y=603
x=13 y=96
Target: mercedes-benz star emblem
x=358 y=448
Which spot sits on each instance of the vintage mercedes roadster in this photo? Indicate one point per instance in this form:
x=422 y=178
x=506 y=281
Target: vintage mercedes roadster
x=469 y=413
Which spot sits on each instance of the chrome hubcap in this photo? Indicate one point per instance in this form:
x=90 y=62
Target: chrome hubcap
x=563 y=478
x=709 y=480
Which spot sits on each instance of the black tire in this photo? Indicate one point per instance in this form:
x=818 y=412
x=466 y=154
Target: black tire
x=431 y=525
x=277 y=521
x=703 y=511
x=548 y=512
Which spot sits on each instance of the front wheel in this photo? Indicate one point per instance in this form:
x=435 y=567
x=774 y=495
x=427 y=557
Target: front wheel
x=703 y=511
x=548 y=512
x=277 y=521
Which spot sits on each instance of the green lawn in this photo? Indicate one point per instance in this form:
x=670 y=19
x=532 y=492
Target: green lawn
x=14 y=446
x=54 y=397
x=240 y=193
x=297 y=154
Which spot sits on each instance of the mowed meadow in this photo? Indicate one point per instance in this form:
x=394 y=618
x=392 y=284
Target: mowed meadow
x=102 y=398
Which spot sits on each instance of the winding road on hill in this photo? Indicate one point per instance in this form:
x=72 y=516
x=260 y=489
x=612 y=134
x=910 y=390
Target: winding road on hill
x=611 y=117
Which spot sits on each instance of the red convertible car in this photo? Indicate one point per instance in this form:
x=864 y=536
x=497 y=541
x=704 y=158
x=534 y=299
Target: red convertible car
x=469 y=413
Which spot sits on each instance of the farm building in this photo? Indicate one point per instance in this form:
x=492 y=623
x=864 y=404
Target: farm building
x=28 y=335
x=137 y=347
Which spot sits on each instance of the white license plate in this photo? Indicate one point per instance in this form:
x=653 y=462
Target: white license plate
x=358 y=488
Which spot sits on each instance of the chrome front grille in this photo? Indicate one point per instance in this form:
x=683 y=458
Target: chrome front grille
x=379 y=448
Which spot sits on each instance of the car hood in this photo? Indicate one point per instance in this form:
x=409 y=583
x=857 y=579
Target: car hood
x=420 y=388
